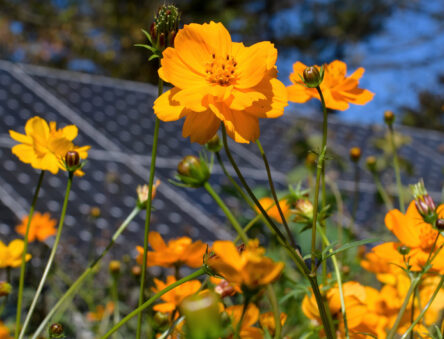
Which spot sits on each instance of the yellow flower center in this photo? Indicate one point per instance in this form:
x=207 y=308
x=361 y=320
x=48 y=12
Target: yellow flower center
x=221 y=69
x=427 y=236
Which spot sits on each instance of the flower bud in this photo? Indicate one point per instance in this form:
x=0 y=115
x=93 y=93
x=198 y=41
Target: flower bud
x=214 y=144
x=114 y=267
x=202 y=318
x=95 y=212
x=355 y=154
x=389 y=117
x=5 y=289
x=313 y=76
x=72 y=161
x=424 y=202
x=192 y=171
x=161 y=319
x=371 y=163
x=165 y=26
x=440 y=224
x=346 y=269
x=142 y=194
x=56 y=331
x=310 y=160
x=404 y=250
x=136 y=270
x=224 y=289
x=303 y=210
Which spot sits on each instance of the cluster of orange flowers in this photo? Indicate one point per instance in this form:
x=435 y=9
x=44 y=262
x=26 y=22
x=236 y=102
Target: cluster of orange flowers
x=372 y=311
x=242 y=269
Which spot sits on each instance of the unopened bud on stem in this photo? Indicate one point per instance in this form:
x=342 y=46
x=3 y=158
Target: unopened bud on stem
x=355 y=154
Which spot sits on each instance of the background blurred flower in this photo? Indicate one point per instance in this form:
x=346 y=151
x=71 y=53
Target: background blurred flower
x=216 y=80
x=247 y=331
x=338 y=89
x=178 y=251
x=41 y=228
x=269 y=205
x=100 y=312
x=4 y=332
x=44 y=146
x=11 y=255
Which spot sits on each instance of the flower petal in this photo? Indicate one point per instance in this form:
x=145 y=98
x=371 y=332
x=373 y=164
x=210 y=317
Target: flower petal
x=70 y=132
x=166 y=108
x=24 y=139
x=200 y=126
x=251 y=67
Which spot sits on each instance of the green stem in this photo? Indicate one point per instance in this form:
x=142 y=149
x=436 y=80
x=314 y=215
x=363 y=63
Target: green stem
x=248 y=226
x=382 y=192
x=227 y=212
x=355 y=198
x=247 y=188
x=115 y=296
x=51 y=257
x=315 y=211
x=323 y=147
x=148 y=215
x=78 y=283
x=25 y=251
x=151 y=300
x=397 y=170
x=414 y=282
x=275 y=308
x=273 y=193
x=425 y=309
x=234 y=183
x=339 y=280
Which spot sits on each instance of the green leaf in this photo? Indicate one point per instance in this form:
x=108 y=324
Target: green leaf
x=148 y=36
x=350 y=245
x=154 y=56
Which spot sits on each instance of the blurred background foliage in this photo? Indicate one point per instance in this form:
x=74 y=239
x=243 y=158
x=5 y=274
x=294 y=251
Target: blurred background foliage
x=98 y=36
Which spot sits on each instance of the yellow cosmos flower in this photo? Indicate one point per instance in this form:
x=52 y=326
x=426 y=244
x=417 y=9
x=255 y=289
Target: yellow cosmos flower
x=11 y=255
x=249 y=268
x=174 y=298
x=178 y=251
x=216 y=80
x=41 y=228
x=247 y=331
x=338 y=89
x=4 y=332
x=44 y=146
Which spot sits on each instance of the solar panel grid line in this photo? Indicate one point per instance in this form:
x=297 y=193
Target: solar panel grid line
x=10 y=200
x=87 y=78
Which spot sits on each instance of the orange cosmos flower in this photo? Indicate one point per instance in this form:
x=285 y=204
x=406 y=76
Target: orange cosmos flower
x=419 y=236
x=174 y=298
x=4 y=332
x=247 y=331
x=44 y=146
x=216 y=80
x=101 y=312
x=249 y=268
x=178 y=251
x=268 y=322
x=269 y=205
x=11 y=255
x=41 y=228
x=338 y=89
x=354 y=297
